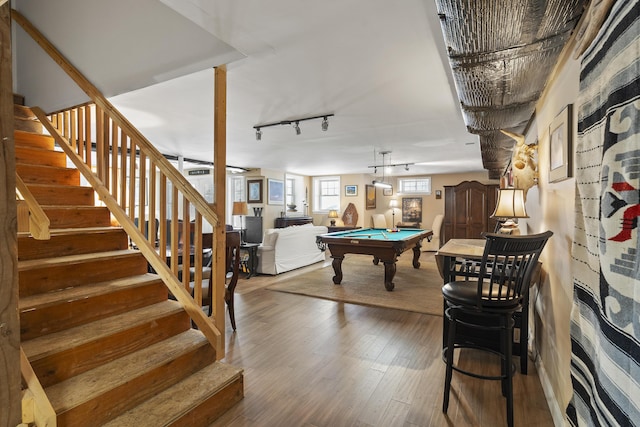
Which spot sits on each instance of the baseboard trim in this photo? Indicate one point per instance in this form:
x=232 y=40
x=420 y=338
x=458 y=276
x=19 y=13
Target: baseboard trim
x=557 y=413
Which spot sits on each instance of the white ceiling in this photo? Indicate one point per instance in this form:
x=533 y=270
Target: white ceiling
x=379 y=66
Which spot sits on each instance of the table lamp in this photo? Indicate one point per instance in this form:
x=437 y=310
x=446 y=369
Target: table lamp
x=510 y=206
x=241 y=209
x=333 y=214
x=393 y=204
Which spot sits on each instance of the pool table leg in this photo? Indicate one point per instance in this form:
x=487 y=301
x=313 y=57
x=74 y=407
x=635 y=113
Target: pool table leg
x=416 y=255
x=337 y=269
x=389 y=272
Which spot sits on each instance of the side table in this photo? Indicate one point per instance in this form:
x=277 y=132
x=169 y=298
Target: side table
x=252 y=262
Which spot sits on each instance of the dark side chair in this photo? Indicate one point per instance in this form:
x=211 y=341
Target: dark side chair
x=490 y=302
x=231 y=278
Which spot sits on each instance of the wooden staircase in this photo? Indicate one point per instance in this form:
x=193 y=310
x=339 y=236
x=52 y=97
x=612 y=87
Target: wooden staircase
x=105 y=341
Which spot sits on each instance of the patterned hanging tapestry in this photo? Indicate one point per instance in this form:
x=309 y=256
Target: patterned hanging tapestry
x=605 y=322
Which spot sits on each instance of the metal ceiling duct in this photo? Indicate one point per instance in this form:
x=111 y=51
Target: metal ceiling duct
x=501 y=55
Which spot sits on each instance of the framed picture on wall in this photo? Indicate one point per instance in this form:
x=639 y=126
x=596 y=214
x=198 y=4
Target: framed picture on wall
x=412 y=209
x=275 y=191
x=254 y=191
x=560 y=145
x=370 y=196
x=350 y=190
x=387 y=191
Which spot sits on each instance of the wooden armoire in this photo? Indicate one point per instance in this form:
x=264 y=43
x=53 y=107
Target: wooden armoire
x=467 y=210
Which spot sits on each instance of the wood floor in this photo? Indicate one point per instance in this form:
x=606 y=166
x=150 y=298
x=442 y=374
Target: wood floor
x=312 y=362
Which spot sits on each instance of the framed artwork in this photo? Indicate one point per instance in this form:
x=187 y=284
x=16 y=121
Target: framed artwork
x=350 y=190
x=412 y=209
x=254 y=191
x=275 y=191
x=387 y=191
x=438 y=194
x=370 y=197
x=560 y=145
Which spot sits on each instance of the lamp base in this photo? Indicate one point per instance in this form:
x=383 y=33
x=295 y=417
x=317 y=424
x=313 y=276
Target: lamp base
x=509 y=227
x=333 y=222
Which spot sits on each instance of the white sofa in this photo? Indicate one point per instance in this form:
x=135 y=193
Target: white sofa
x=285 y=249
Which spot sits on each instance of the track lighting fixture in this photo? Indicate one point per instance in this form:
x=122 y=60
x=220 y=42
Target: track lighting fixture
x=384 y=165
x=377 y=183
x=381 y=184
x=295 y=123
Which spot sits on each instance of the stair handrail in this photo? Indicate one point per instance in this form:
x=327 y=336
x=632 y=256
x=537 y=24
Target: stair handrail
x=100 y=181
x=38 y=220
x=36 y=407
x=158 y=264
x=100 y=100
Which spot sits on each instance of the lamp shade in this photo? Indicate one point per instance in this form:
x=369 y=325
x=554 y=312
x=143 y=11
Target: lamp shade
x=393 y=203
x=333 y=213
x=240 y=208
x=510 y=204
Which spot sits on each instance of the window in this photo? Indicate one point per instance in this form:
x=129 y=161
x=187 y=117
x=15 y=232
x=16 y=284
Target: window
x=290 y=191
x=420 y=185
x=235 y=193
x=326 y=193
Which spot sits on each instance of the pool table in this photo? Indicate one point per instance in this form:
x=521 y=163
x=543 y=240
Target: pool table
x=385 y=245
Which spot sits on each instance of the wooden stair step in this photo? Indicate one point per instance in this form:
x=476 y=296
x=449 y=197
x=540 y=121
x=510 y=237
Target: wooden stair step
x=47 y=194
x=39 y=156
x=76 y=241
x=33 y=140
x=62 y=195
x=49 y=274
x=24 y=119
x=121 y=384
x=61 y=355
x=20 y=111
x=39 y=174
x=195 y=401
x=77 y=216
x=27 y=125
x=55 y=311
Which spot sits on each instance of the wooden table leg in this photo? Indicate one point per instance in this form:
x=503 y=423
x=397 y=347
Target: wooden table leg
x=337 y=269
x=416 y=255
x=389 y=272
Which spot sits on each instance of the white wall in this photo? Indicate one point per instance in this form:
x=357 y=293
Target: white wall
x=551 y=207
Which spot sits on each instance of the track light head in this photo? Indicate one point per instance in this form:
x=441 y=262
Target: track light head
x=406 y=167
x=325 y=124
x=293 y=122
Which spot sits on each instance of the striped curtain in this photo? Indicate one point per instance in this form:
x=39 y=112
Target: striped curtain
x=605 y=321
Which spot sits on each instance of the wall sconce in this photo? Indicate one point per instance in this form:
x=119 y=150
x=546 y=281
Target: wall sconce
x=295 y=123
x=333 y=214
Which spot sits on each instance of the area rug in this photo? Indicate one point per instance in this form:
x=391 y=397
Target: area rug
x=417 y=290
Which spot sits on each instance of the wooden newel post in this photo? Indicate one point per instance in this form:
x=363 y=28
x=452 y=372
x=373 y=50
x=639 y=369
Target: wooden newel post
x=10 y=388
